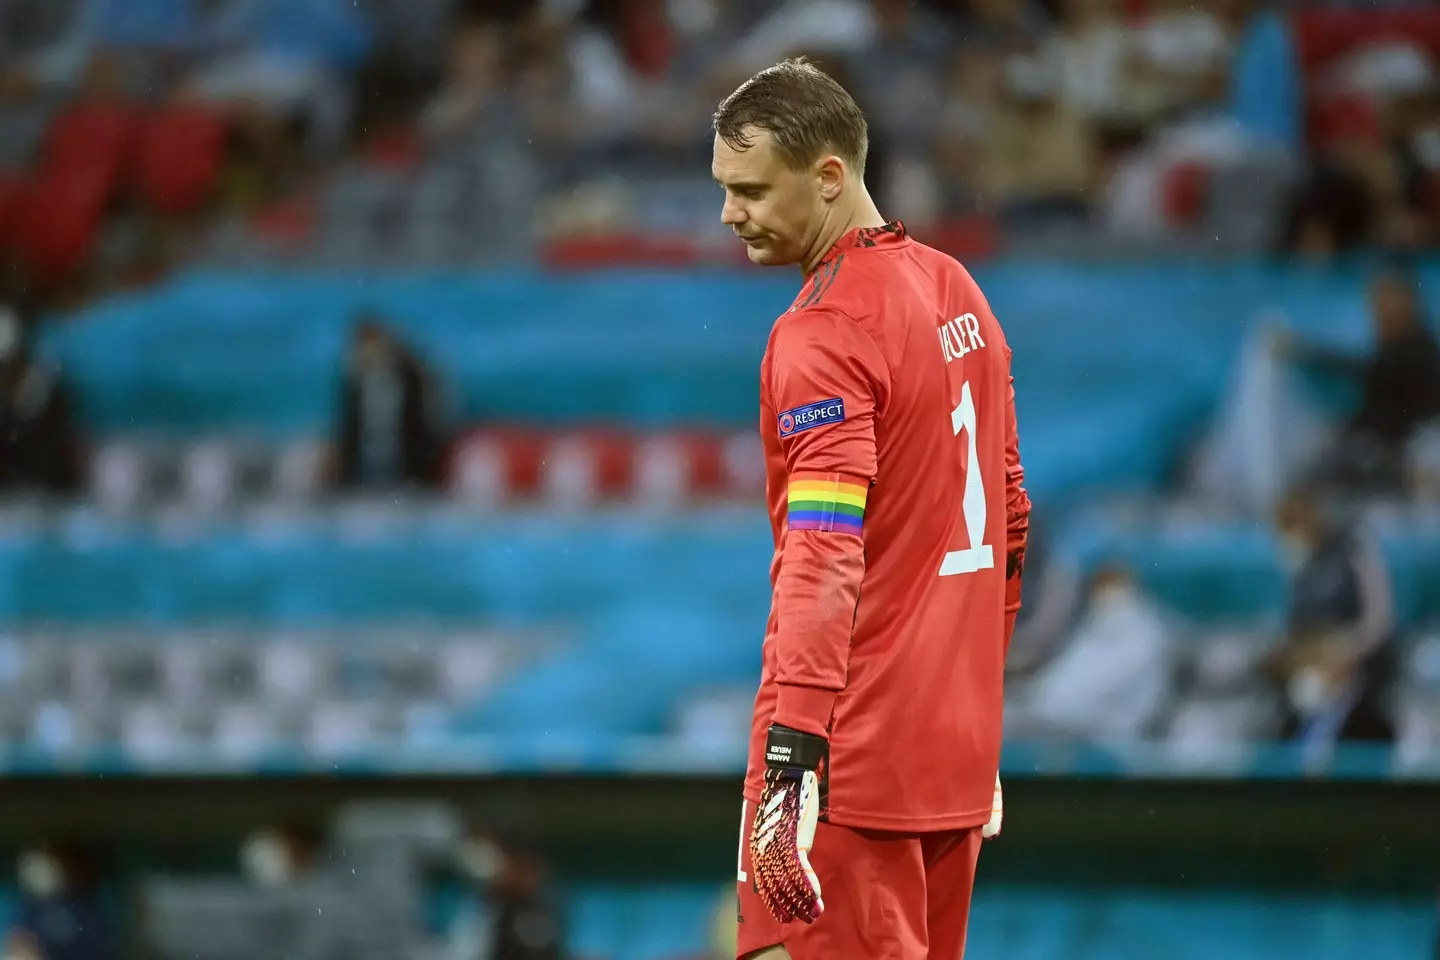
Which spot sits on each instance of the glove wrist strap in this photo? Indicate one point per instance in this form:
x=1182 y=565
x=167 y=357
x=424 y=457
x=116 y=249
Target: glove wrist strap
x=793 y=749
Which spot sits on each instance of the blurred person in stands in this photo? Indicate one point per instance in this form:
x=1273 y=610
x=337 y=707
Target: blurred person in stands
x=1008 y=143
x=472 y=92
x=1370 y=179
x=1091 y=52
x=279 y=62
x=576 y=90
x=897 y=73
x=277 y=856
x=1181 y=57
x=1338 y=658
x=62 y=914
x=524 y=922
x=1054 y=589
x=1037 y=156
x=39 y=446
x=823 y=28
x=1115 y=674
x=898 y=81
x=1003 y=26
x=1399 y=382
x=61 y=42
x=388 y=435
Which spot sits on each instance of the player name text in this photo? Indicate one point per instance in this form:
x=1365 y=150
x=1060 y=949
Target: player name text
x=959 y=336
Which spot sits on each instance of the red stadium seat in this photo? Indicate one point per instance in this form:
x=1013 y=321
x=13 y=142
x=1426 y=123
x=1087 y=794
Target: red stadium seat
x=496 y=466
x=178 y=158
x=645 y=34
x=96 y=137
x=1339 y=119
x=57 y=219
x=1183 y=193
x=12 y=192
x=1326 y=33
x=398 y=149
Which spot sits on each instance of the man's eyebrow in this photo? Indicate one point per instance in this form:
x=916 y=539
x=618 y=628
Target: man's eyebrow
x=740 y=184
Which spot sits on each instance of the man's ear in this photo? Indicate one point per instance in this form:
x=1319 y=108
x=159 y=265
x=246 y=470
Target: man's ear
x=832 y=173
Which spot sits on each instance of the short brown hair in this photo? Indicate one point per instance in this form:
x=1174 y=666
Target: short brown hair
x=803 y=108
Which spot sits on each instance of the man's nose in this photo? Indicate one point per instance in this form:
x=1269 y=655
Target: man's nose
x=732 y=213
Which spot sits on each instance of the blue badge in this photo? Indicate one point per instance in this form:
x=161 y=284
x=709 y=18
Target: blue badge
x=812 y=415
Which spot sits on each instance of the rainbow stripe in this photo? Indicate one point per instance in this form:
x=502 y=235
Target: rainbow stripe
x=823 y=501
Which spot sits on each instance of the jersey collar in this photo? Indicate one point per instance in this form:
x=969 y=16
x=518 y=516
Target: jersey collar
x=889 y=234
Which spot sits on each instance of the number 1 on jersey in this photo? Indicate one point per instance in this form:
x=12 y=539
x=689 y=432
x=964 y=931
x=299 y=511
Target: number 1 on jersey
x=977 y=556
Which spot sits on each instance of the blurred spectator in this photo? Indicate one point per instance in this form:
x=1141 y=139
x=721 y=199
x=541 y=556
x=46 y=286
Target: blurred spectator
x=1037 y=157
x=39 y=448
x=1091 y=52
x=1371 y=178
x=1400 y=387
x=1333 y=210
x=388 y=434
x=814 y=27
x=141 y=36
x=1181 y=57
x=1115 y=675
x=525 y=923
x=898 y=73
x=283 y=61
x=473 y=88
x=1004 y=26
x=62 y=913
x=1052 y=595
x=576 y=90
x=279 y=856
x=1338 y=658
x=1265 y=432
x=1009 y=143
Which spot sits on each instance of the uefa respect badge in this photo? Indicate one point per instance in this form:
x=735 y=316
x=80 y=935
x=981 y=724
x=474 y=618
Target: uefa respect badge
x=800 y=419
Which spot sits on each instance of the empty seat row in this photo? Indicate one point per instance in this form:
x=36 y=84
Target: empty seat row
x=199 y=667
x=487 y=468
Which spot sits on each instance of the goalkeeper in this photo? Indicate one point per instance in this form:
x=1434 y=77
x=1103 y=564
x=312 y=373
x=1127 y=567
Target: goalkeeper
x=894 y=491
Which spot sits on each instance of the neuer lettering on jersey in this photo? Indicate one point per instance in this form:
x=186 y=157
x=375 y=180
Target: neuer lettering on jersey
x=959 y=336
x=812 y=415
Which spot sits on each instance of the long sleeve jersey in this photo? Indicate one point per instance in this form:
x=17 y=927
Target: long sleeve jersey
x=896 y=498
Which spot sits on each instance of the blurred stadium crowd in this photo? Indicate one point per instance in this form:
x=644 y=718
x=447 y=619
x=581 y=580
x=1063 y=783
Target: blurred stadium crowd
x=142 y=133
x=448 y=496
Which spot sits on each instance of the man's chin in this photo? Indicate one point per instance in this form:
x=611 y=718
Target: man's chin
x=765 y=256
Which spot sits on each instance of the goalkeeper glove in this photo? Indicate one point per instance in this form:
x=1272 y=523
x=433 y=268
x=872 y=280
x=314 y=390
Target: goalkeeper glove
x=784 y=827
x=997 y=813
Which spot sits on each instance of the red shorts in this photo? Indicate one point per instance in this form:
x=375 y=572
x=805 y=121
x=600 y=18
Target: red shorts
x=888 y=896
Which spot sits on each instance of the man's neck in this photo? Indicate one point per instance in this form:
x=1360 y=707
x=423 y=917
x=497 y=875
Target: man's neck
x=862 y=213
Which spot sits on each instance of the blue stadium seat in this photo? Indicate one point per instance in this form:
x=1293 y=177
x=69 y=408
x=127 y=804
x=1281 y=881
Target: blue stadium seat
x=642 y=921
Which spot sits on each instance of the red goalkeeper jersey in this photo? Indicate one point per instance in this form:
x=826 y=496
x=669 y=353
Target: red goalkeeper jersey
x=895 y=494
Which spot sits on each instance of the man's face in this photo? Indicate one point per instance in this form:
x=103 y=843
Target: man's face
x=775 y=210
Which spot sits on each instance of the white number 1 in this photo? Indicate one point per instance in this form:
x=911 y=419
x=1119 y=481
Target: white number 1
x=977 y=556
